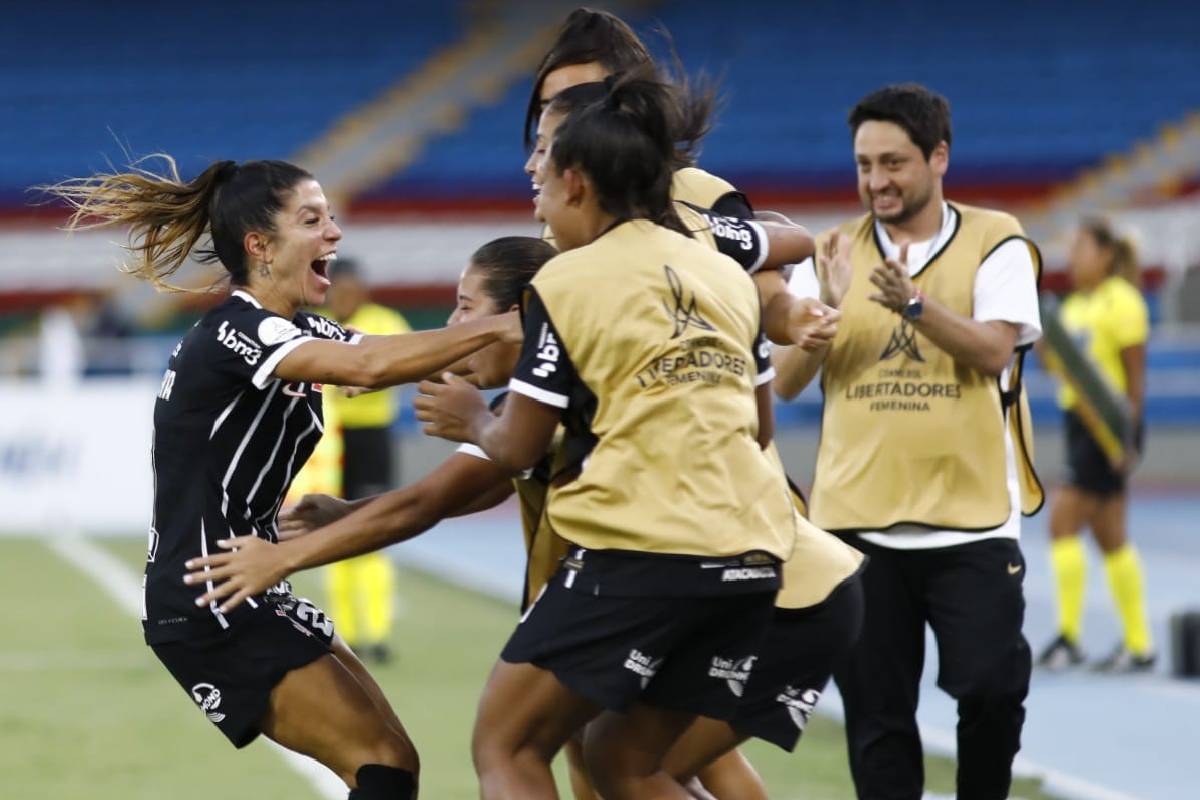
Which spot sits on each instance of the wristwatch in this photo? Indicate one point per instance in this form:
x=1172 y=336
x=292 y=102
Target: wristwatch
x=915 y=307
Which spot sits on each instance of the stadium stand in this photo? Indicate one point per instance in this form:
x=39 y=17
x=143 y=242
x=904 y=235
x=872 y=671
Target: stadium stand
x=1030 y=89
x=91 y=79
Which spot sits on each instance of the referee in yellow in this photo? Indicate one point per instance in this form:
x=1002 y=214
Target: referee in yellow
x=924 y=461
x=1107 y=312
x=362 y=589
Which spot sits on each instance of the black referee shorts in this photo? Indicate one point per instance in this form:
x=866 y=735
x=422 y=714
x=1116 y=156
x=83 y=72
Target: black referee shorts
x=797 y=661
x=230 y=676
x=367 y=454
x=1088 y=469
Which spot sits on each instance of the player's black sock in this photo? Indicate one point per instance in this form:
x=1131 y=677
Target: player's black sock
x=377 y=782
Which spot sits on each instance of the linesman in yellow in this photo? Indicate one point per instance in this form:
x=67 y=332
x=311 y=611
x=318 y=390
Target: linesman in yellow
x=362 y=590
x=925 y=462
x=1107 y=313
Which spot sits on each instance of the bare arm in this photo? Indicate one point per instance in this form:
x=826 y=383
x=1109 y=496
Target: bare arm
x=766 y=414
x=515 y=440
x=379 y=361
x=1134 y=360
x=795 y=368
x=983 y=346
x=790 y=320
x=251 y=565
x=787 y=244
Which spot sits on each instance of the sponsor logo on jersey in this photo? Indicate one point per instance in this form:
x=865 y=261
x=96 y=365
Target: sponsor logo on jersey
x=731 y=230
x=276 y=330
x=735 y=574
x=326 y=327
x=168 y=385
x=799 y=703
x=735 y=672
x=239 y=343
x=208 y=697
x=641 y=664
x=547 y=353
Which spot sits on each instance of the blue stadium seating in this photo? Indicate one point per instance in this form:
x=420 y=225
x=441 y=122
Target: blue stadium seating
x=199 y=81
x=1038 y=90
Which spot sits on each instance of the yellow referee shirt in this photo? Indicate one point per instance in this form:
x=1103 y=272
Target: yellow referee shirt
x=373 y=409
x=1108 y=319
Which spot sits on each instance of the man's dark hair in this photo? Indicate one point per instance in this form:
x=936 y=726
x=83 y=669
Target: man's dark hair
x=923 y=114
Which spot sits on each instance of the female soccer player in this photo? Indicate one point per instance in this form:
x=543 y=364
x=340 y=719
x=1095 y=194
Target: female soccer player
x=238 y=412
x=677 y=519
x=592 y=46
x=1108 y=311
x=819 y=613
x=466 y=482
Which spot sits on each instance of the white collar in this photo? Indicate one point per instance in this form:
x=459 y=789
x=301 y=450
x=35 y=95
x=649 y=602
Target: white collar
x=249 y=298
x=919 y=253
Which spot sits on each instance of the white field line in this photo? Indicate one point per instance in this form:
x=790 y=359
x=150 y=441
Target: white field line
x=124 y=587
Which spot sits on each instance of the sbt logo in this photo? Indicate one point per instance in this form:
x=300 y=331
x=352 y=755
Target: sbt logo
x=548 y=353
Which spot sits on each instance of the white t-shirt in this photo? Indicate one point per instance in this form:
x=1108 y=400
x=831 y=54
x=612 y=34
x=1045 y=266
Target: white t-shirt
x=1005 y=290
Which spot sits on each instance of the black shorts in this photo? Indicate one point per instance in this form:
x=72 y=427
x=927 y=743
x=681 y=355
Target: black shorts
x=649 y=640
x=797 y=661
x=368 y=462
x=230 y=676
x=1088 y=469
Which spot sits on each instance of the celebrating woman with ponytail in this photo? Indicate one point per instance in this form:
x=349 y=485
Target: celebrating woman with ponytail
x=237 y=415
x=1108 y=312
x=647 y=346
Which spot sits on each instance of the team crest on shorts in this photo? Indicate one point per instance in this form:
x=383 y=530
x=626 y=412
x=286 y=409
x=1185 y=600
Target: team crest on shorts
x=799 y=703
x=208 y=697
x=734 y=672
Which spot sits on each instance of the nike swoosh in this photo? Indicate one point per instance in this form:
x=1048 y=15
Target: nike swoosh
x=1013 y=569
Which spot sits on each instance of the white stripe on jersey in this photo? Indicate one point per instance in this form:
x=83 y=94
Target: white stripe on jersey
x=237 y=456
x=274 y=452
x=228 y=409
x=287 y=477
x=212 y=606
x=316 y=420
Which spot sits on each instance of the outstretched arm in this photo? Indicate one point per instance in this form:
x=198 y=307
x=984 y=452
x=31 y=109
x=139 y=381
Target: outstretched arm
x=515 y=440
x=252 y=565
x=378 y=361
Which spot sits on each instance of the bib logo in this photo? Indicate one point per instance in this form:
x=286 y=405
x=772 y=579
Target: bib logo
x=208 y=697
x=904 y=340
x=684 y=313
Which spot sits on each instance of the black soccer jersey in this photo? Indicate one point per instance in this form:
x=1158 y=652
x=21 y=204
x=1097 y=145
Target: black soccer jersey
x=228 y=438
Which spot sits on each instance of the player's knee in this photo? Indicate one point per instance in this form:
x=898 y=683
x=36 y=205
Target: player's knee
x=394 y=750
x=612 y=766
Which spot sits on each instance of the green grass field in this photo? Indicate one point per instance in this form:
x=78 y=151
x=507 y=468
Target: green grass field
x=87 y=711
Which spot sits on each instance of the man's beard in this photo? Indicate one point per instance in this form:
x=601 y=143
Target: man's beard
x=909 y=208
